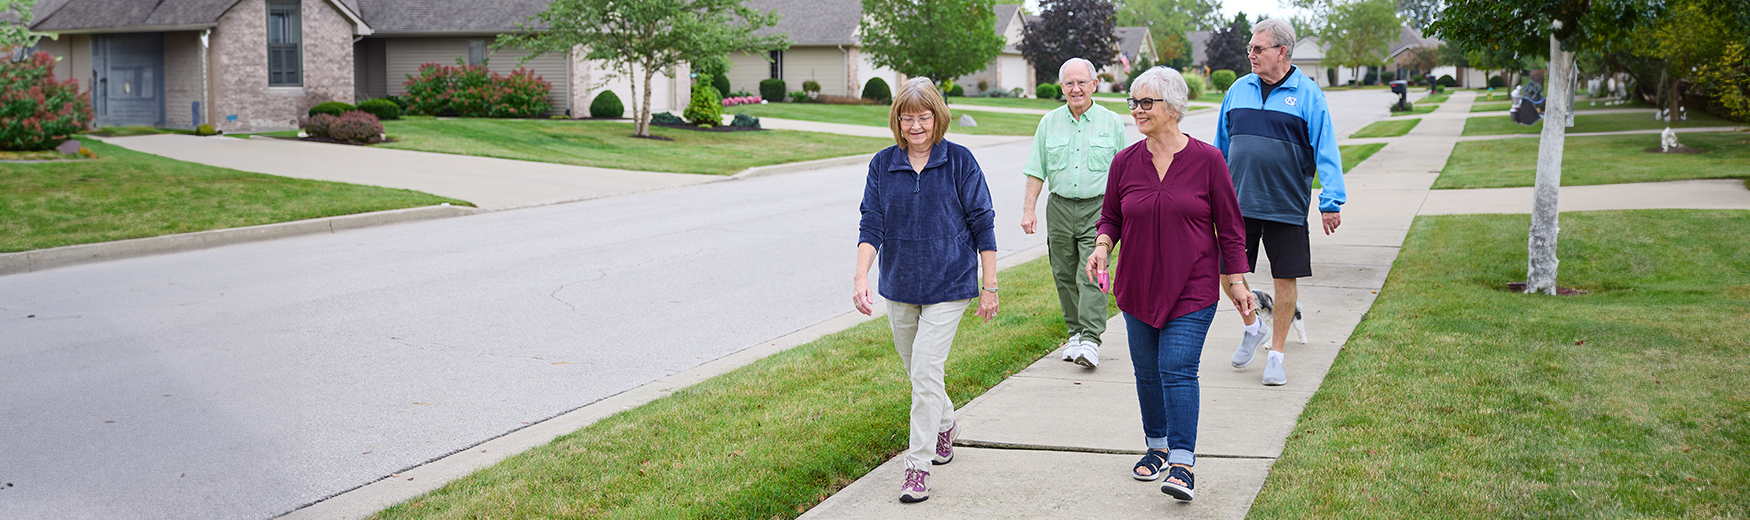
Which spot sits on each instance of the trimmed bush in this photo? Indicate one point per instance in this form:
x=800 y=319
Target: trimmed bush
x=1371 y=78
x=607 y=104
x=956 y=91
x=333 y=108
x=798 y=97
x=399 y=102
x=384 y=109
x=1446 y=81
x=353 y=127
x=705 y=108
x=1388 y=76
x=773 y=89
x=1406 y=108
x=1047 y=91
x=721 y=81
x=1193 y=87
x=811 y=86
x=1496 y=82
x=1222 y=79
x=474 y=91
x=38 y=112
x=205 y=129
x=876 y=90
x=1331 y=76
x=746 y=121
x=665 y=118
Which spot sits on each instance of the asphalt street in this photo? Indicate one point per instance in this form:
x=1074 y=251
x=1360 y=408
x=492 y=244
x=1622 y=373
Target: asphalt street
x=246 y=381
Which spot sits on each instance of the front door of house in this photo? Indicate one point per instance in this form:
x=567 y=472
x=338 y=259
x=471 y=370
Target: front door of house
x=128 y=72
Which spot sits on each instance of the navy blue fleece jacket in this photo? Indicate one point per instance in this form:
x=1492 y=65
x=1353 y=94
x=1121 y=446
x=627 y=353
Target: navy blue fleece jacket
x=928 y=227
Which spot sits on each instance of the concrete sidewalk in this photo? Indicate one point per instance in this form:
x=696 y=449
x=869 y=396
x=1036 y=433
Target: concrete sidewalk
x=1058 y=441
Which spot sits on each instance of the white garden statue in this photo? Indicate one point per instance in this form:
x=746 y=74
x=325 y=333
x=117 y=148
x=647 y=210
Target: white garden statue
x=1668 y=141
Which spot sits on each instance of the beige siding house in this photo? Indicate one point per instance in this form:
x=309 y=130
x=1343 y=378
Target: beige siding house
x=1009 y=70
x=254 y=65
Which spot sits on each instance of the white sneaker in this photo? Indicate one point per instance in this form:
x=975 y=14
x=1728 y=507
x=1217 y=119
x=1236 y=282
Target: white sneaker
x=1088 y=355
x=1248 y=350
x=1273 y=374
x=1070 y=347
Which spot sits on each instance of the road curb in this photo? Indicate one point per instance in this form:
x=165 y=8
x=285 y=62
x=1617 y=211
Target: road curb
x=44 y=259
x=776 y=169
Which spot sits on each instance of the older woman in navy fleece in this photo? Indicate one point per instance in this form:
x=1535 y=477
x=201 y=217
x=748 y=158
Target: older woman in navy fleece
x=927 y=215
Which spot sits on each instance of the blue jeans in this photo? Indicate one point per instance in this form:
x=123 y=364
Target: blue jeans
x=1166 y=380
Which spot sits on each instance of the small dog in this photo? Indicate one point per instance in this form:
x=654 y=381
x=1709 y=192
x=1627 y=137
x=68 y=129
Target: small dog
x=1266 y=308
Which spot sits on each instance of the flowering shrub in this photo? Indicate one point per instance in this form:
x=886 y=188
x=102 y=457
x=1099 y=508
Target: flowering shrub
x=355 y=127
x=474 y=91
x=36 y=111
x=742 y=100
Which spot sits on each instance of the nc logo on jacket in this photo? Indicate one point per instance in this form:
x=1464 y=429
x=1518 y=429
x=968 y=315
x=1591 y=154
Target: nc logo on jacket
x=1290 y=101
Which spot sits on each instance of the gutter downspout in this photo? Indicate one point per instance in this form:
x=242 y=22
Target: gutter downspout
x=850 y=71
x=206 y=96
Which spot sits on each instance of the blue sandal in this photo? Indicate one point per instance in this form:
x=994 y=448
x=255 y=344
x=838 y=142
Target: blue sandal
x=1153 y=461
x=1181 y=492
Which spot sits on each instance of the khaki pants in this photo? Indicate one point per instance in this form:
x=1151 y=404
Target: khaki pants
x=1070 y=230
x=922 y=334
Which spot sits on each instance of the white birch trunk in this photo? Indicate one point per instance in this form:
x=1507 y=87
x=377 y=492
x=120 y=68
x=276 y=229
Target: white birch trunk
x=1541 y=273
x=644 y=122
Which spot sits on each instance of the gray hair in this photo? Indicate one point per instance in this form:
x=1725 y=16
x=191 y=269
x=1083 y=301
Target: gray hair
x=1169 y=85
x=1092 y=74
x=1281 y=31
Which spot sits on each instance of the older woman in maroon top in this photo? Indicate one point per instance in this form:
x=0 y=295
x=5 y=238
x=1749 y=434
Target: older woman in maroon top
x=1170 y=203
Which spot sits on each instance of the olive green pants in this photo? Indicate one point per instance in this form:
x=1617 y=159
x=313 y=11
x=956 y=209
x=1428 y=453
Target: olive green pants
x=1070 y=230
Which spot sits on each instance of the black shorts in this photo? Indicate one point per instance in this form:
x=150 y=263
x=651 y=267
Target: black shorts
x=1288 y=245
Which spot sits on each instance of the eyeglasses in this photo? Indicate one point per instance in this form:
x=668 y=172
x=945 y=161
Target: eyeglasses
x=1255 y=50
x=1078 y=83
x=906 y=121
x=1145 y=103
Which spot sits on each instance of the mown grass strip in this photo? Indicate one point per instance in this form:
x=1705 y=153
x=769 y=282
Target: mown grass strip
x=609 y=144
x=1457 y=397
x=989 y=123
x=1598 y=159
x=126 y=194
x=1583 y=123
x=1353 y=154
x=766 y=441
x=1388 y=128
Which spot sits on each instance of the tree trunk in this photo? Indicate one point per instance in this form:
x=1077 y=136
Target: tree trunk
x=1541 y=273
x=644 y=123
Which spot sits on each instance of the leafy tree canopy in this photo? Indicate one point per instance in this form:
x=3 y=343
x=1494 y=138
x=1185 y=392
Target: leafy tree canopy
x=641 y=37
x=1226 y=47
x=1360 y=33
x=16 y=34
x=938 y=39
x=1070 y=29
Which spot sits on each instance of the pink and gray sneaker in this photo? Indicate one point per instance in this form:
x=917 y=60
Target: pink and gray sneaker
x=916 y=488
x=945 y=445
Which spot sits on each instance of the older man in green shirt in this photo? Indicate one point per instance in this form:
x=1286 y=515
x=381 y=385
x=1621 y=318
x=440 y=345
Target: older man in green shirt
x=1072 y=149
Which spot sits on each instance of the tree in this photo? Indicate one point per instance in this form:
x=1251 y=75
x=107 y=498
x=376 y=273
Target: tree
x=1423 y=59
x=1360 y=33
x=1070 y=29
x=1688 y=35
x=1556 y=29
x=17 y=34
x=1175 y=50
x=1169 y=16
x=1419 y=13
x=938 y=39
x=645 y=36
x=1226 y=47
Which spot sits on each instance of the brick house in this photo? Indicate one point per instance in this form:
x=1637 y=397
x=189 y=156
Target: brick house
x=254 y=65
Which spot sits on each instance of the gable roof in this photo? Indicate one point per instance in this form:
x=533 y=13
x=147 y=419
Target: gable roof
x=111 y=16
x=813 y=22
x=1199 y=47
x=449 y=17
x=1005 y=15
x=1133 y=41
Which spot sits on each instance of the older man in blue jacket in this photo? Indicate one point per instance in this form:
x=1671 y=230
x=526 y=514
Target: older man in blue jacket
x=1275 y=130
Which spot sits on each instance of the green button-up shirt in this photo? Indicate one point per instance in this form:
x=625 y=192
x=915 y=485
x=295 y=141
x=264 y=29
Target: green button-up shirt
x=1072 y=155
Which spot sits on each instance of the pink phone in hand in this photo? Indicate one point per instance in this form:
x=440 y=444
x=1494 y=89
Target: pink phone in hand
x=1104 y=281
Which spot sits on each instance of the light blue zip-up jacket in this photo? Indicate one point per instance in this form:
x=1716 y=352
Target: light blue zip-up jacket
x=1274 y=147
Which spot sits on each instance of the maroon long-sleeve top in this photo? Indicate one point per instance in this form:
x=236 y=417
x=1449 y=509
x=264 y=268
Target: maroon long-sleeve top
x=1179 y=233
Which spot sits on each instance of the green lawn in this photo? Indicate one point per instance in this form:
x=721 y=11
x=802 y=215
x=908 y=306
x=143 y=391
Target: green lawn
x=1598 y=159
x=1434 y=99
x=1502 y=106
x=989 y=123
x=1388 y=128
x=1456 y=399
x=1416 y=109
x=126 y=194
x=1502 y=125
x=609 y=144
x=1033 y=103
x=1353 y=154
x=766 y=441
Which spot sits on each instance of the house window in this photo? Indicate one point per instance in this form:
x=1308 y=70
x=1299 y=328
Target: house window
x=285 y=64
x=476 y=52
x=778 y=64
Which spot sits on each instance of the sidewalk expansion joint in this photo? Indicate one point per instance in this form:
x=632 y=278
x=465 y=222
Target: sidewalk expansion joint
x=967 y=443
